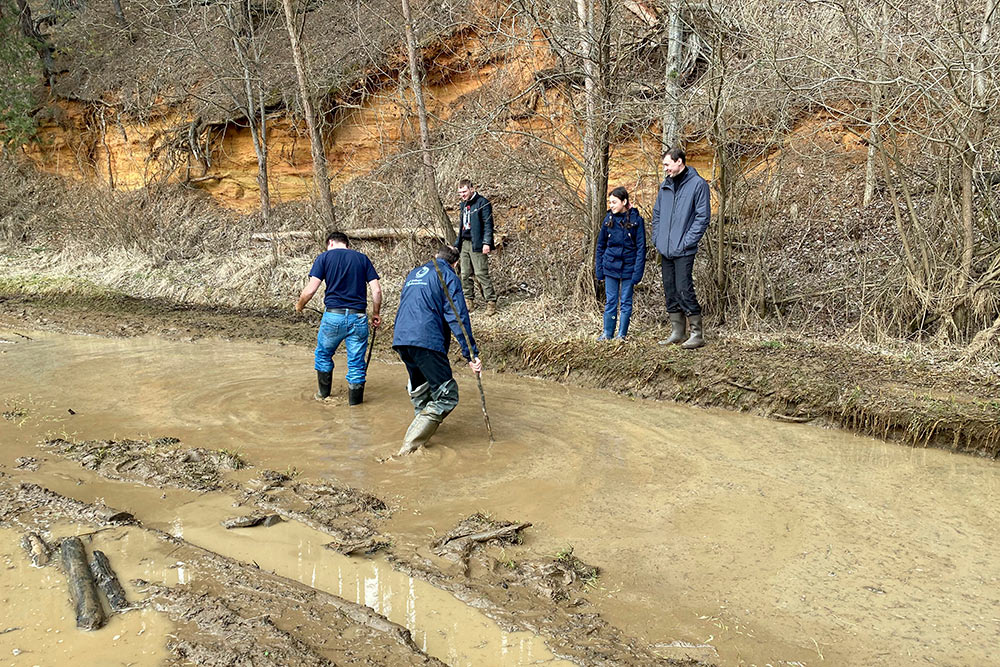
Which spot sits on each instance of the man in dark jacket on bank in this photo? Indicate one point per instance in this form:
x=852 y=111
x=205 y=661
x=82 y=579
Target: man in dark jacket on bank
x=475 y=242
x=425 y=322
x=680 y=218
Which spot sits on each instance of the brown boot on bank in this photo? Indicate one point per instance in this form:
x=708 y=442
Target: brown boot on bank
x=491 y=308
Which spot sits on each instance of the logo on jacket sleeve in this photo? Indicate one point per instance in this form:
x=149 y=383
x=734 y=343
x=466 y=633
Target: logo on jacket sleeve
x=422 y=272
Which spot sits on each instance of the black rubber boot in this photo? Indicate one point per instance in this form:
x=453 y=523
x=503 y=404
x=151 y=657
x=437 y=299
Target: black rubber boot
x=325 y=380
x=355 y=394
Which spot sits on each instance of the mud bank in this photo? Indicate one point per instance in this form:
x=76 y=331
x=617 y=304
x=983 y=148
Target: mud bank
x=922 y=403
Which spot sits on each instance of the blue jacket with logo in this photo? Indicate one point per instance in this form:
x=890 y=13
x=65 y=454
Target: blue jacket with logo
x=621 y=247
x=681 y=214
x=424 y=315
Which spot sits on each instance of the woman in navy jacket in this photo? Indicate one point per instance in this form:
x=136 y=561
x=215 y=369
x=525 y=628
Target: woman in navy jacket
x=620 y=260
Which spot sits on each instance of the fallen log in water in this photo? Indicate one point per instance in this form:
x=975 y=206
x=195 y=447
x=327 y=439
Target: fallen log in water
x=82 y=588
x=108 y=581
x=371 y=234
x=37 y=550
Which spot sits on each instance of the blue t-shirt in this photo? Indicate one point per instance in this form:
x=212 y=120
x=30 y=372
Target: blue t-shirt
x=346 y=273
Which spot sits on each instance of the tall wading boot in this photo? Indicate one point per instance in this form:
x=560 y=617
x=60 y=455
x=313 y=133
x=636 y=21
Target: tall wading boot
x=677 y=326
x=325 y=381
x=355 y=394
x=697 y=338
x=442 y=401
x=420 y=431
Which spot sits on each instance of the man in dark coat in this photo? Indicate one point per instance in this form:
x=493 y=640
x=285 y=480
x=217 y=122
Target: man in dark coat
x=425 y=323
x=475 y=242
x=680 y=218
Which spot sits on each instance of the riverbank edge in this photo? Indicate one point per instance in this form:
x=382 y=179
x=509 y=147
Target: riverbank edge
x=919 y=403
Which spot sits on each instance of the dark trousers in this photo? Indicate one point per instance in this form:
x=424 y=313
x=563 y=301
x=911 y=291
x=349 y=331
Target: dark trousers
x=425 y=365
x=678 y=285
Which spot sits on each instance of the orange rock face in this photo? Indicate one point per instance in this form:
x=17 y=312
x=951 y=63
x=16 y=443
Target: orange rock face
x=95 y=142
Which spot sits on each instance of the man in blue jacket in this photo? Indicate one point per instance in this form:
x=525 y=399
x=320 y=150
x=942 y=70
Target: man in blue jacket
x=680 y=217
x=425 y=322
x=346 y=273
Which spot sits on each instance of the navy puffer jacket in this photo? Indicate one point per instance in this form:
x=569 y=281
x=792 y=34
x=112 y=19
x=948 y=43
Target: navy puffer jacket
x=621 y=247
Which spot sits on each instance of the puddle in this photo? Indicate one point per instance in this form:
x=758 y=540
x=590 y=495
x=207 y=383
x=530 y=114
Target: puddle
x=36 y=602
x=776 y=543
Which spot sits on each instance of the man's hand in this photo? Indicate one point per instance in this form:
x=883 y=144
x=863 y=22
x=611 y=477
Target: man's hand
x=476 y=365
x=486 y=249
x=376 y=320
x=299 y=308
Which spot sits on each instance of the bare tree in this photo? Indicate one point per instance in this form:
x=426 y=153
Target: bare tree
x=671 y=121
x=594 y=48
x=248 y=49
x=321 y=175
x=431 y=194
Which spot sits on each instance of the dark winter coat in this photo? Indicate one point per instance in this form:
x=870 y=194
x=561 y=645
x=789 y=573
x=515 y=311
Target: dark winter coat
x=424 y=314
x=681 y=214
x=621 y=247
x=480 y=213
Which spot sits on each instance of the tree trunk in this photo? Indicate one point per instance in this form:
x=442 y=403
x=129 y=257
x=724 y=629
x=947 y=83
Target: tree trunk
x=433 y=198
x=672 y=76
x=977 y=128
x=321 y=177
x=42 y=47
x=874 y=129
x=594 y=49
x=251 y=100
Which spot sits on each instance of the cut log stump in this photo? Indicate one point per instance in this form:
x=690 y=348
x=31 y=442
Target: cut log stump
x=108 y=581
x=82 y=587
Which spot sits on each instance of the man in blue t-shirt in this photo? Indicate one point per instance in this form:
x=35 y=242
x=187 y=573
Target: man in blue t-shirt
x=346 y=272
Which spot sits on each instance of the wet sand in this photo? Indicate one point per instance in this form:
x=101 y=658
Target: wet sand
x=775 y=543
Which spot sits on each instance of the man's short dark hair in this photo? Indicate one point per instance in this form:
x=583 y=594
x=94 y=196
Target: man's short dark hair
x=676 y=153
x=465 y=183
x=338 y=237
x=448 y=253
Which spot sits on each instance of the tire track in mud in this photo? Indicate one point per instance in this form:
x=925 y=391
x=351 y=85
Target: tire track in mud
x=541 y=595
x=229 y=612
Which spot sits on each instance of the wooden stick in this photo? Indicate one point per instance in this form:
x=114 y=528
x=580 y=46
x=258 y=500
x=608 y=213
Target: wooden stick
x=82 y=588
x=468 y=342
x=371 y=347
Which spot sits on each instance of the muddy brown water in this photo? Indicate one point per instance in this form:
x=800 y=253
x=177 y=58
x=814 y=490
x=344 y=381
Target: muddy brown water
x=775 y=543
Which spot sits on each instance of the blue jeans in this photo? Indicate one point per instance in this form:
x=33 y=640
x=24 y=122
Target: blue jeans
x=612 y=286
x=336 y=328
